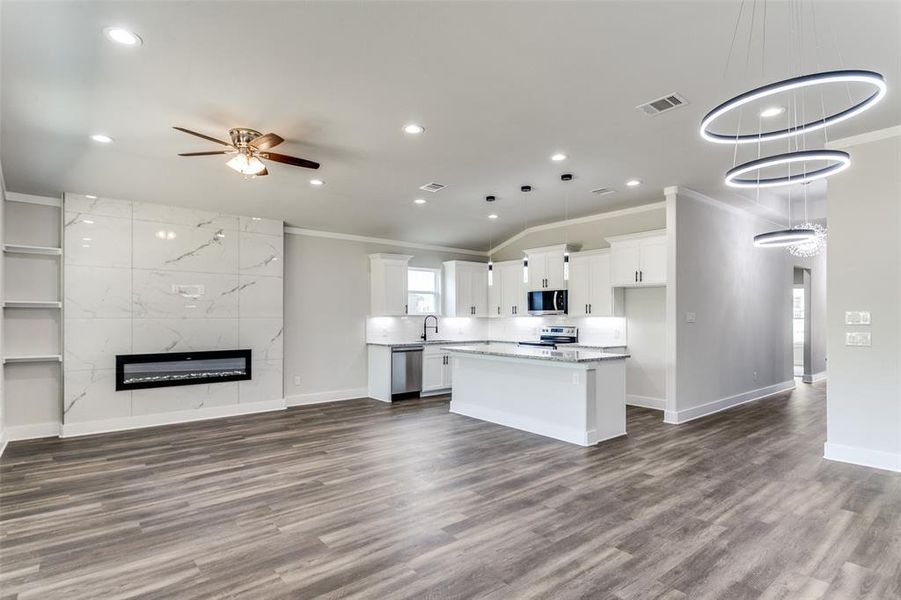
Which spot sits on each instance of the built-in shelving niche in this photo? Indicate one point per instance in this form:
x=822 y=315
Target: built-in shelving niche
x=32 y=310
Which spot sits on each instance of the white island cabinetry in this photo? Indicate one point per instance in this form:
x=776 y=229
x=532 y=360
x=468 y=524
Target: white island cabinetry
x=577 y=396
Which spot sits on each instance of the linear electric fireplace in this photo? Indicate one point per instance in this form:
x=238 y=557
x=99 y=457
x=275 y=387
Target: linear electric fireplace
x=139 y=371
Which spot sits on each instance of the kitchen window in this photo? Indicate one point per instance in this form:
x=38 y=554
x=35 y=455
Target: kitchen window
x=423 y=291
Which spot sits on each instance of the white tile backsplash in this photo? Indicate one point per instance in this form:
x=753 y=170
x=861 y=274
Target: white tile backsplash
x=158 y=278
x=409 y=329
x=605 y=331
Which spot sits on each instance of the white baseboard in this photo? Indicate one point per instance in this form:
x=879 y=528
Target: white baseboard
x=566 y=434
x=645 y=402
x=13 y=433
x=696 y=412
x=330 y=396
x=865 y=457
x=170 y=418
x=814 y=378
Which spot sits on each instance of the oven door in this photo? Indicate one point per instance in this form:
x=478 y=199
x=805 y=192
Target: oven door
x=549 y=302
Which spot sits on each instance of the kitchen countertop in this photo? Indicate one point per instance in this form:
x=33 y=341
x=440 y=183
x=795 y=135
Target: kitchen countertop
x=456 y=342
x=535 y=353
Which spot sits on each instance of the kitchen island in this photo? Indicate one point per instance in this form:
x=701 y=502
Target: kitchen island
x=573 y=395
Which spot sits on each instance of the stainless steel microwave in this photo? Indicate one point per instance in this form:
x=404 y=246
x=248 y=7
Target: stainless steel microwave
x=547 y=302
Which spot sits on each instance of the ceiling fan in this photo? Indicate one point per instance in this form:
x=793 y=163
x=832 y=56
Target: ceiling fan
x=249 y=146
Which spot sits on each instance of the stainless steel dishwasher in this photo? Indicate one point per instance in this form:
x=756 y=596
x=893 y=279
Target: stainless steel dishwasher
x=406 y=372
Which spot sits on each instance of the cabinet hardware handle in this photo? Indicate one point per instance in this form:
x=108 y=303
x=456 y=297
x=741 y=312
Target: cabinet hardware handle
x=406 y=310
x=641 y=276
x=589 y=309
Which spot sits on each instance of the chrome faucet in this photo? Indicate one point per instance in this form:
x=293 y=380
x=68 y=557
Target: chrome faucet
x=425 y=326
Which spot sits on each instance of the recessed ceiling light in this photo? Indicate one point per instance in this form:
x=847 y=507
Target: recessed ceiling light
x=87 y=221
x=85 y=239
x=90 y=197
x=633 y=182
x=122 y=36
x=254 y=218
x=558 y=157
x=413 y=128
x=317 y=182
x=419 y=201
x=103 y=139
x=492 y=216
x=85 y=245
x=772 y=111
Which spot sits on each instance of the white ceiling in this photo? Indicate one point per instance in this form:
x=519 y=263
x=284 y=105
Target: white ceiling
x=499 y=87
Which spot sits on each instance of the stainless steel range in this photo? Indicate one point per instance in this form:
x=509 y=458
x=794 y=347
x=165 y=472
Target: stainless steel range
x=555 y=335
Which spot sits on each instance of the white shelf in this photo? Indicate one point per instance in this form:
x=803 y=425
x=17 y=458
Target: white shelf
x=32 y=304
x=33 y=358
x=22 y=249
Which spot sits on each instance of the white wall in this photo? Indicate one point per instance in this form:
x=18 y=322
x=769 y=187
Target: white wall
x=2 y=296
x=864 y=214
x=740 y=345
x=326 y=310
x=125 y=263
x=646 y=369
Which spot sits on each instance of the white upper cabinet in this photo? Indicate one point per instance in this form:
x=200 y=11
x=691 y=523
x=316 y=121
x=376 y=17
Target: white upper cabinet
x=638 y=259
x=465 y=289
x=388 y=284
x=507 y=297
x=546 y=268
x=591 y=291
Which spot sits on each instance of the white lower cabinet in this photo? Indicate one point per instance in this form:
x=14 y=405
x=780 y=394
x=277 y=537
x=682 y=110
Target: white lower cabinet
x=436 y=370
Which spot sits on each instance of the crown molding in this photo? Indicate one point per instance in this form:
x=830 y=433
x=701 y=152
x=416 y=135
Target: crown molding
x=32 y=199
x=864 y=138
x=579 y=220
x=722 y=205
x=349 y=237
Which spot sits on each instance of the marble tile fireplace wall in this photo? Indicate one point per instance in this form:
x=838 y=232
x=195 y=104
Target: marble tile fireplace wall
x=147 y=278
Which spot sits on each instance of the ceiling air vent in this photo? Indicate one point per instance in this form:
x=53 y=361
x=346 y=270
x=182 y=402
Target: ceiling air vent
x=433 y=187
x=655 y=107
x=603 y=191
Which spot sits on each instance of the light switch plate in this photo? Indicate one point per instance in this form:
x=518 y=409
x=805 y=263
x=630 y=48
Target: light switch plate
x=857 y=317
x=858 y=338
x=690 y=317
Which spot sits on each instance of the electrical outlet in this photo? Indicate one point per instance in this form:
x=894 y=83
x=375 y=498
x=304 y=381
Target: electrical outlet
x=690 y=317
x=297 y=380
x=858 y=338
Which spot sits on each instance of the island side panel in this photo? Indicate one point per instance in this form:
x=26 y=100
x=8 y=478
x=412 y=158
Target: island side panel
x=542 y=397
x=608 y=388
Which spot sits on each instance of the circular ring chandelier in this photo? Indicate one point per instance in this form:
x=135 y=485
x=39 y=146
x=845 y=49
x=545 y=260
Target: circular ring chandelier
x=842 y=76
x=840 y=162
x=784 y=237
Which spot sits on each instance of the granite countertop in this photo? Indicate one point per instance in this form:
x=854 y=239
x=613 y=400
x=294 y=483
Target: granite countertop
x=536 y=353
x=455 y=342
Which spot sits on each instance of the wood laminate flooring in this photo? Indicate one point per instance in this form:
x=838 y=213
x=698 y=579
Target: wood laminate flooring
x=361 y=499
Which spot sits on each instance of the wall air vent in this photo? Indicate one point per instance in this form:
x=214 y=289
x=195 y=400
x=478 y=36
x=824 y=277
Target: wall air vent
x=433 y=187
x=655 y=107
x=603 y=191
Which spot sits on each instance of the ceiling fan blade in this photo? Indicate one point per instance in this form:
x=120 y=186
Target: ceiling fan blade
x=261 y=173
x=264 y=142
x=200 y=135
x=211 y=153
x=290 y=160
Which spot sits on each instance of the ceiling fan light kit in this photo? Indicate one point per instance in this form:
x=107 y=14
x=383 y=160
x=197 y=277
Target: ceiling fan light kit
x=251 y=148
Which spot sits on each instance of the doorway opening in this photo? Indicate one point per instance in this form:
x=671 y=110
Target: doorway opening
x=801 y=322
